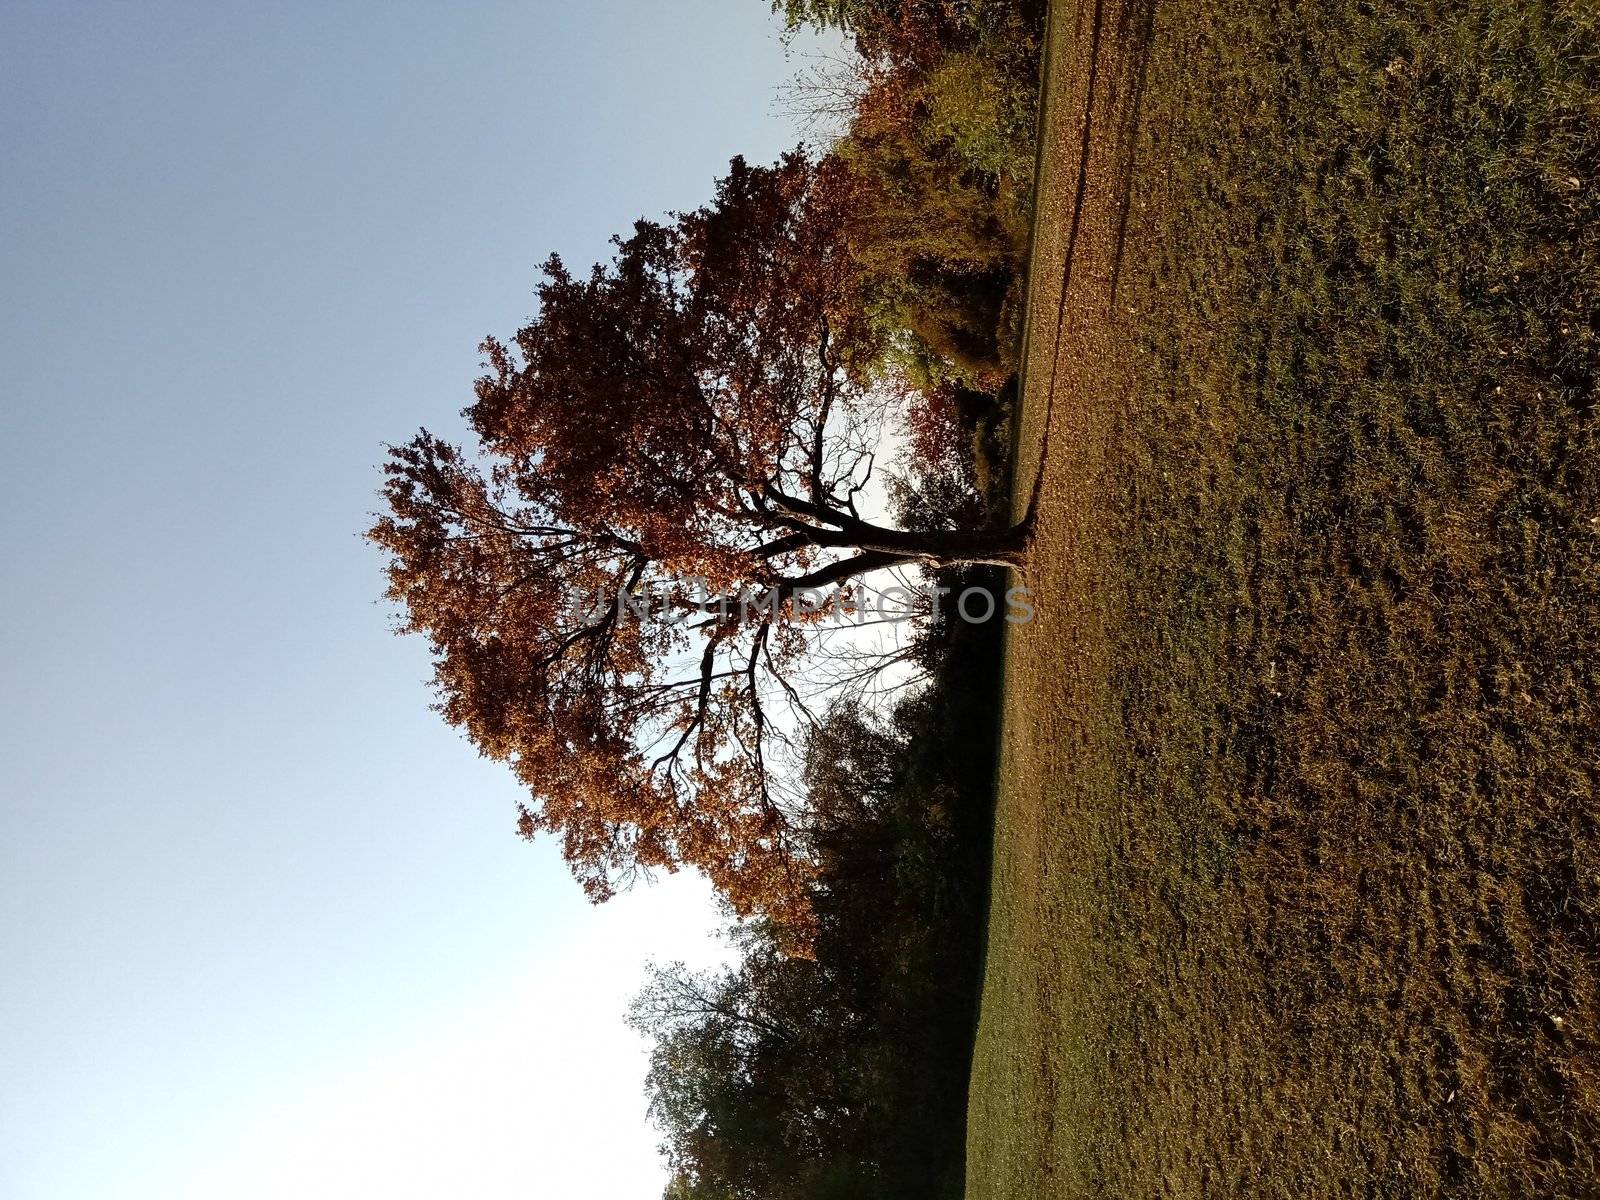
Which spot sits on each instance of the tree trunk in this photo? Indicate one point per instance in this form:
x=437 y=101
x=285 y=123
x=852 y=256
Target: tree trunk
x=878 y=548
x=821 y=525
x=954 y=547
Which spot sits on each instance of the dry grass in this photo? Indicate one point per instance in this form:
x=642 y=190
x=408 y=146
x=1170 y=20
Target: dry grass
x=1297 y=869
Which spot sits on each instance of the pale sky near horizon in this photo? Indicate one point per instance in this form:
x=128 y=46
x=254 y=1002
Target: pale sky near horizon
x=265 y=928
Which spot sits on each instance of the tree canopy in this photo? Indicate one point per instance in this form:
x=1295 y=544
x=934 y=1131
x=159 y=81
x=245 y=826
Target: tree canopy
x=705 y=406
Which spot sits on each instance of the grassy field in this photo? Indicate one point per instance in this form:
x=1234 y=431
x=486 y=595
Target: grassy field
x=1297 y=869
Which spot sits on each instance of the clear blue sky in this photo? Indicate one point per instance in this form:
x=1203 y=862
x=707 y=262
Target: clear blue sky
x=265 y=926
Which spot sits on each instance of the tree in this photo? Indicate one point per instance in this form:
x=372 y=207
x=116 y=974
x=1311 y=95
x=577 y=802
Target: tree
x=703 y=407
x=744 y=1078
x=936 y=112
x=897 y=32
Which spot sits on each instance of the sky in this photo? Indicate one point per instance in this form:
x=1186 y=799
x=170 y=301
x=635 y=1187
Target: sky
x=265 y=928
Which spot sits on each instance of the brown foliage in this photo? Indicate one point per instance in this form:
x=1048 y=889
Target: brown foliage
x=701 y=407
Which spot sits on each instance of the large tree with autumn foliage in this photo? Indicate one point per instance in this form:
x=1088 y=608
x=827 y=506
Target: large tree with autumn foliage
x=705 y=406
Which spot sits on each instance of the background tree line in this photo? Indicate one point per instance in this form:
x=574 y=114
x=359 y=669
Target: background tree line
x=844 y=1073
x=938 y=104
